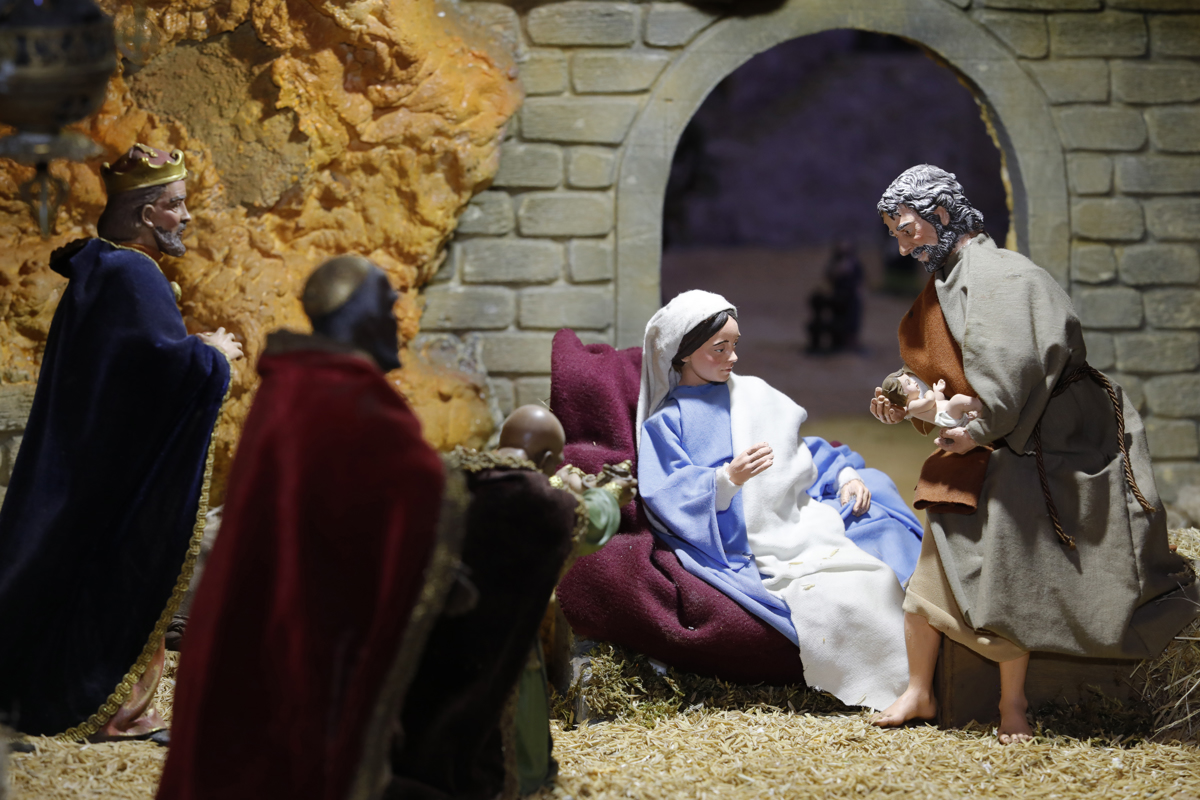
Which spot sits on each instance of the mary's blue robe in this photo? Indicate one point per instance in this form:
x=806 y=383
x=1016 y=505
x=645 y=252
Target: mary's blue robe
x=688 y=439
x=889 y=530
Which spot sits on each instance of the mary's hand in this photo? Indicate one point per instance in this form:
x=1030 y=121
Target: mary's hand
x=750 y=462
x=861 y=494
x=884 y=410
x=955 y=440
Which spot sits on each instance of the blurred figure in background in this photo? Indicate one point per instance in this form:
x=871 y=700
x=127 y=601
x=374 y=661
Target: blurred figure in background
x=836 y=303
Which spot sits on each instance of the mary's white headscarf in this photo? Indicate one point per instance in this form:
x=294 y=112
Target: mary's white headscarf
x=664 y=332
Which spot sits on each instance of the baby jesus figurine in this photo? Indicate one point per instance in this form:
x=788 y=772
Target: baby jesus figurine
x=902 y=389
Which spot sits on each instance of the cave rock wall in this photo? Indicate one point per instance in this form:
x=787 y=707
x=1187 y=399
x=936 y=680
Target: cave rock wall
x=311 y=128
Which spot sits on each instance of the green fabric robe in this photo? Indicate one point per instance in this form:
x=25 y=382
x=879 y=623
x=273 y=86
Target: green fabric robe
x=1121 y=593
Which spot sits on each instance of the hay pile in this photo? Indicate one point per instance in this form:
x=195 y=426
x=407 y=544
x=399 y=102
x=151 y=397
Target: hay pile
x=624 y=685
x=1169 y=684
x=60 y=771
x=682 y=736
x=627 y=687
x=69 y=771
x=164 y=696
x=679 y=735
x=760 y=753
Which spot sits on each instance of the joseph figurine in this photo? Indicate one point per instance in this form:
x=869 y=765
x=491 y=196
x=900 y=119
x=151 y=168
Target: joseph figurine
x=1045 y=530
x=106 y=504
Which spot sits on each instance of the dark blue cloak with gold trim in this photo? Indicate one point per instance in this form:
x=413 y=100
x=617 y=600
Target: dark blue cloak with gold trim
x=107 y=493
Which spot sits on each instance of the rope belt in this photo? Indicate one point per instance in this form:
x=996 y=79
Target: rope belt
x=1085 y=371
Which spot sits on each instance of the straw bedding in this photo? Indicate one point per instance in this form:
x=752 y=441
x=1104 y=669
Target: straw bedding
x=760 y=753
x=70 y=771
x=679 y=735
x=1170 y=684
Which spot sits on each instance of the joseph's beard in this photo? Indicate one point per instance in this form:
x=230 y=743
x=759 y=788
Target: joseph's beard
x=170 y=242
x=948 y=236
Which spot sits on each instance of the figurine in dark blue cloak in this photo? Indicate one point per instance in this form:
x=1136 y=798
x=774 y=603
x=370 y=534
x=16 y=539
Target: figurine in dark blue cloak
x=105 y=509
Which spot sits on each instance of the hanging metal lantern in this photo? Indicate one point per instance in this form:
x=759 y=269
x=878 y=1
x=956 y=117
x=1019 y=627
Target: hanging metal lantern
x=56 y=57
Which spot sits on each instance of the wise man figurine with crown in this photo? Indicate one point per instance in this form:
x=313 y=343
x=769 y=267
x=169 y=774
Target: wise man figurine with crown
x=105 y=508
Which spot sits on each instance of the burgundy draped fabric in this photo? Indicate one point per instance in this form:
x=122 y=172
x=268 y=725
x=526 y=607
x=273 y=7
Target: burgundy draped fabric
x=329 y=524
x=634 y=592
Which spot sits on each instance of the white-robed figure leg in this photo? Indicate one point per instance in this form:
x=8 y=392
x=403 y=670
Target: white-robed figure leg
x=845 y=604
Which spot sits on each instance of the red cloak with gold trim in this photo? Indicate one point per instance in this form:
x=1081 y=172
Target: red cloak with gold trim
x=330 y=521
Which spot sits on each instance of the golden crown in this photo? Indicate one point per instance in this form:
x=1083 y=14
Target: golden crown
x=143 y=166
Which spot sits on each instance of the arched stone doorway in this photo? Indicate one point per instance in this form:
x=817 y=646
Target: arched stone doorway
x=1018 y=109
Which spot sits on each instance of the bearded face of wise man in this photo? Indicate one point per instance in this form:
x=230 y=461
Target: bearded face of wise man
x=167 y=217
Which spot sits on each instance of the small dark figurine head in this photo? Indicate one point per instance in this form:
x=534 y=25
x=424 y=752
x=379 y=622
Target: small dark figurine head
x=936 y=197
x=896 y=387
x=349 y=300
x=147 y=195
x=699 y=335
x=538 y=434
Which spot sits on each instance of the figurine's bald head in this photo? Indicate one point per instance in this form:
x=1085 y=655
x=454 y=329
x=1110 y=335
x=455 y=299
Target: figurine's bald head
x=332 y=283
x=537 y=432
x=349 y=299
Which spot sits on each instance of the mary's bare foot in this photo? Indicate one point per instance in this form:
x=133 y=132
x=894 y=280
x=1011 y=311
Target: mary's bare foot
x=913 y=704
x=1014 y=727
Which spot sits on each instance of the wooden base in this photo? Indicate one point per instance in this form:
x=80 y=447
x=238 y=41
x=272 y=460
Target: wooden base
x=967 y=685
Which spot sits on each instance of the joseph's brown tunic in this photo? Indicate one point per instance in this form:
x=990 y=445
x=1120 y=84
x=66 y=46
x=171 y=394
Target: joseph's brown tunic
x=1011 y=584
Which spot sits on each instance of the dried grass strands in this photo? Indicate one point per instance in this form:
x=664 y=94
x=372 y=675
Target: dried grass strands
x=164 y=695
x=683 y=736
x=71 y=771
x=624 y=685
x=756 y=754
x=1170 y=684
x=117 y=770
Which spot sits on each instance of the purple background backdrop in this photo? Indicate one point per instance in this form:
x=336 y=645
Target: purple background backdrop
x=795 y=147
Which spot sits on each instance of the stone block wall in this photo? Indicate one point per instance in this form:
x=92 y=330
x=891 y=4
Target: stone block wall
x=1125 y=80
x=565 y=236
x=1120 y=80
x=537 y=252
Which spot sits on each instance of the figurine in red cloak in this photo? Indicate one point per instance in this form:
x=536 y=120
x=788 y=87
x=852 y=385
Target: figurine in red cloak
x=329 y=525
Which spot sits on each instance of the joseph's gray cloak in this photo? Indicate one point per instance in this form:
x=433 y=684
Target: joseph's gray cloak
x=1121 y=593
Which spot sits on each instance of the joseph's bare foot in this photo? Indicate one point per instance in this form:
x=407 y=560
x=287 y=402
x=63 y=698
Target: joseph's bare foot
x=1014 y=727
x=913 y=704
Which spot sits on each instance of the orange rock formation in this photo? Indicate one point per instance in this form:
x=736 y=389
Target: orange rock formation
x=311 y=128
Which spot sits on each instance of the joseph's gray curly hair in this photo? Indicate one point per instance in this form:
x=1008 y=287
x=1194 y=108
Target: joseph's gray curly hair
x=925 y=187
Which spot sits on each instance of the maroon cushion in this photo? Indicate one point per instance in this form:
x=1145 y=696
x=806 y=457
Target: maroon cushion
x=634 y=592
